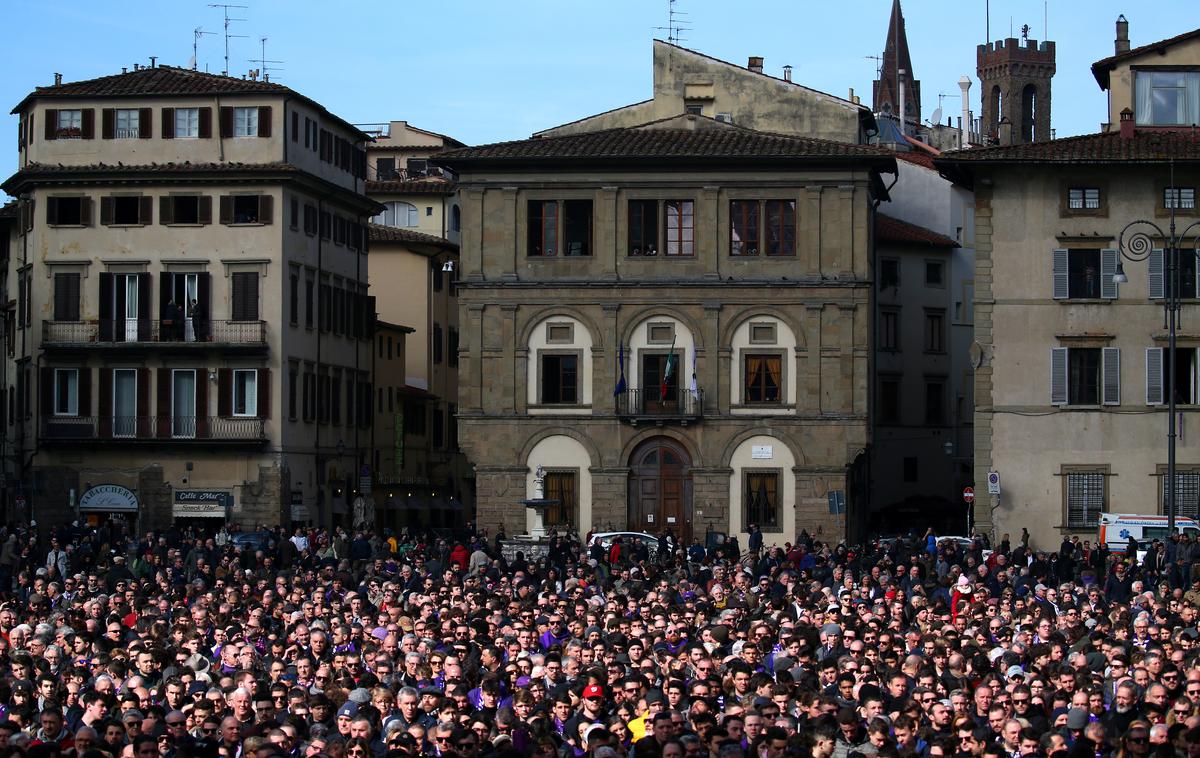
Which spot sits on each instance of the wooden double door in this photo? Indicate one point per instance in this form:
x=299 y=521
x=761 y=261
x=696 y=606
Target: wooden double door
x=660 y=489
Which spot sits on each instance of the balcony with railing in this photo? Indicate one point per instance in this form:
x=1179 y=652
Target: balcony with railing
x=677 y=405
x=139 y=332
x=159 y=430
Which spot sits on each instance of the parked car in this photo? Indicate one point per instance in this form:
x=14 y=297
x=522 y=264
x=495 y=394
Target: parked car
x=606 y=540
x=966 y=544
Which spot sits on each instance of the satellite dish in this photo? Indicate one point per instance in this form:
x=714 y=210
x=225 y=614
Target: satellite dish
x=936 y=118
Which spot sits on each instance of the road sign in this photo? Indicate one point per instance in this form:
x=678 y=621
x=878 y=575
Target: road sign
x=968 y=495
x=993 y=483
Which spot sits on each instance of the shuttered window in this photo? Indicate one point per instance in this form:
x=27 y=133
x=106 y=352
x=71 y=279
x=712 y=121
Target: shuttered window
x=1081 y=274
x=66 y=297
x=1155 y=392
x=245 y=296
x=1085 y=376
x=1086 y=493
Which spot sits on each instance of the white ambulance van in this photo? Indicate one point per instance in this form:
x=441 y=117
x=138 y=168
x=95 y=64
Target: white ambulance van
x=1117 y=528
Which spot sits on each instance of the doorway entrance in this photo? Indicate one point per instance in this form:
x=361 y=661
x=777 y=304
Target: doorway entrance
x=660 y=489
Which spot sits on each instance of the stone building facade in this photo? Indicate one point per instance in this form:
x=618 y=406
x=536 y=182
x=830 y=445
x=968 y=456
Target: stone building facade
x=669 y=325
x=1070 y=378
x=190 y=336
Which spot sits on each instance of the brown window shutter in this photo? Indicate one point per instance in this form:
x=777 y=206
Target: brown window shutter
x=145 y=210
x=105 y=410
x=108 y=123
x=266 y=207
x=89 y=123
x=226 y=121
x=163 y=403
x=168 y=123
x=204 y=209
x=295 y=126
x=143 y=403
x=29 y=129
x=85 y=392
x=47 y=393
x=166 y=210
x=264 y=393
x=51 y=123
x=106 y=210
x=225 y=392
x=205 y=123
x=85 y=211
x=226 y=209
x=264 y=121
x=145 y=123
x=51 y=210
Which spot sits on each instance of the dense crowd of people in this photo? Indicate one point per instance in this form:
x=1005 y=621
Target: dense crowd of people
x=353 y=644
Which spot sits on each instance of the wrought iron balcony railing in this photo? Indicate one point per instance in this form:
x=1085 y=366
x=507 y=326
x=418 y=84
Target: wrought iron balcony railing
x=681 y=404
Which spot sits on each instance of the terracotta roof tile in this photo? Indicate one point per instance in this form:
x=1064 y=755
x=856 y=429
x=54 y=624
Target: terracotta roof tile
x=1102 y=68
x=58 y=171
x=412 y=187
x=170 y=81
x=678 y=138
x=888 y=229
x=378 y=233
x=1146 y=146
x=160 y=80
x=916 y=158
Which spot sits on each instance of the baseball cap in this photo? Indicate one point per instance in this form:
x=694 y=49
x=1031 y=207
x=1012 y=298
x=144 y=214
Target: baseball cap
x=593 y=690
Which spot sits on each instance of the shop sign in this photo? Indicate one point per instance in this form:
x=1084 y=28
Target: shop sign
x=109 y=497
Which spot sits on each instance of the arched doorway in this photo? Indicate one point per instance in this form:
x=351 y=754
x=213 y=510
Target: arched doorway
x=660 y=488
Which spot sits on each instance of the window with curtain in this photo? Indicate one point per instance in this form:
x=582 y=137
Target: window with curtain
x=743 y=227
x=760 y=504
x=562 y=486
x=680 y=216
x=398 y=214
x=780 y=227
x=764 y=379
x=1167 y=98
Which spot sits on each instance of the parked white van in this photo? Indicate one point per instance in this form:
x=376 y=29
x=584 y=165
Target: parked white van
x=1117 y=528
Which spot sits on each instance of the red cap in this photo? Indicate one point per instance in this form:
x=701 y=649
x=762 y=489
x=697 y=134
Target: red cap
x=593 y=690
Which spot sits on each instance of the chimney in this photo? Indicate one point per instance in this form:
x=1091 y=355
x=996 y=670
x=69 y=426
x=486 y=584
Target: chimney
x=1126 y=124
x=755 y=64
x=1122 y=43
x=153 y=61
x=1006 y=131
x=964 y=84
x=57 y=78
x=787 y=73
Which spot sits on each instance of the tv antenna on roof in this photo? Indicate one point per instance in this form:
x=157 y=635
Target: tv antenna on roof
x=197 y=33
x=225 y=8
x=878 y=64
x=262 y=61
x=674 y=25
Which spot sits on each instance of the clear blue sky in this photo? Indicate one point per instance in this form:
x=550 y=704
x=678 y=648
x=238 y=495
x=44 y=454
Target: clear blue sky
x=486 y=70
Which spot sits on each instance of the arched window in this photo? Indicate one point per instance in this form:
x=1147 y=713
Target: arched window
x=455 y=219
x=397 y=213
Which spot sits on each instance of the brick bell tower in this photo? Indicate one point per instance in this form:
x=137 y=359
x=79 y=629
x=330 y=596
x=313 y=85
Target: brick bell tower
x=1015 y=85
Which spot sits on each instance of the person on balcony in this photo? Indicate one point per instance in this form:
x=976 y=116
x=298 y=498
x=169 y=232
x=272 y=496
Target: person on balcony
x=172 y=322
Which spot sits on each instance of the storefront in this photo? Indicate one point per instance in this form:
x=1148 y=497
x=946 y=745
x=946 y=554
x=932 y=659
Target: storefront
x=109 y=504
x=206 y=510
